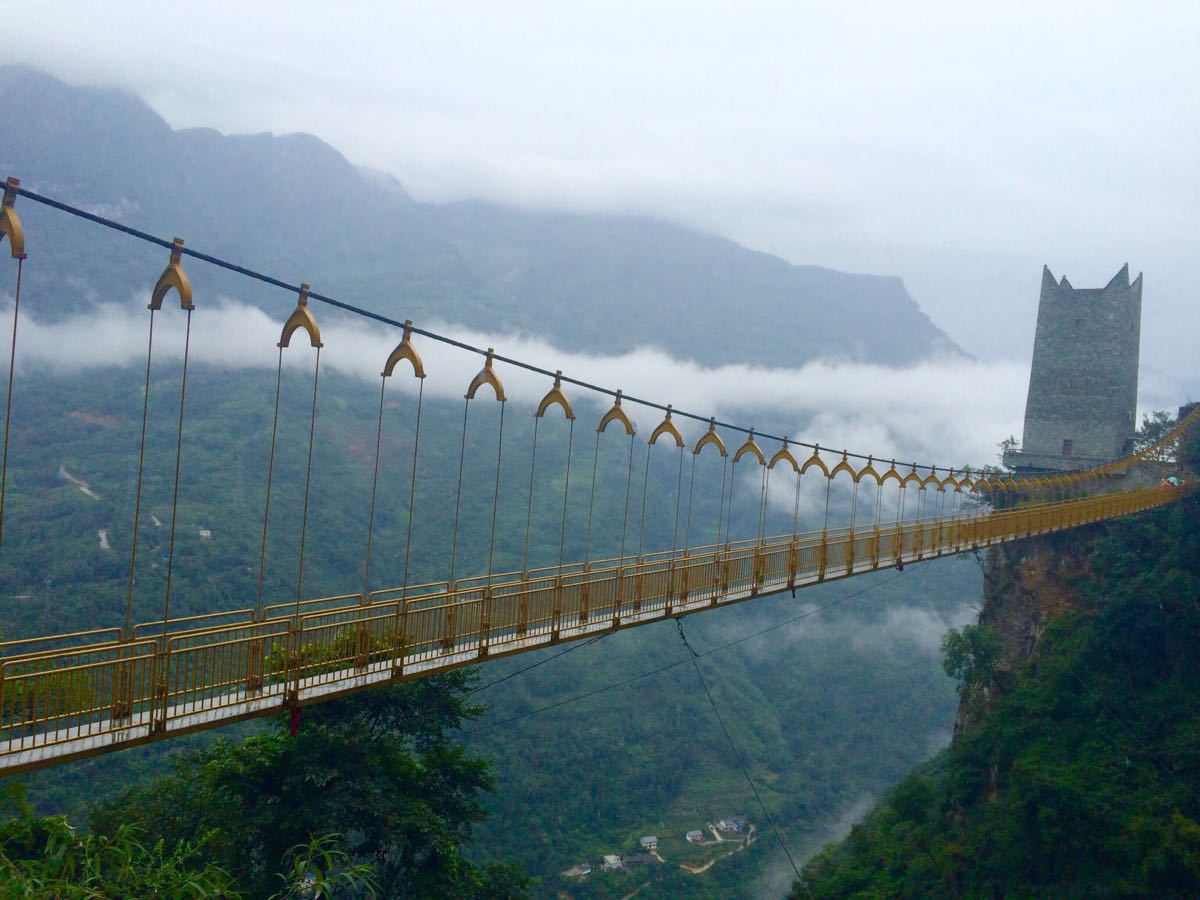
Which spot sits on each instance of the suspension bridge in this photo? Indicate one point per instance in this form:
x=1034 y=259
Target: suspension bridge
x=119 y=684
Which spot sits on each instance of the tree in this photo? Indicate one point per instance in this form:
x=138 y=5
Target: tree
x=1155 y=426
x=382 y=768
x=970 y=656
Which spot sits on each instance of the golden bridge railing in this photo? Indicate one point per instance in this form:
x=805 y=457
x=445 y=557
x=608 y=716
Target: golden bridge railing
x=86 y=692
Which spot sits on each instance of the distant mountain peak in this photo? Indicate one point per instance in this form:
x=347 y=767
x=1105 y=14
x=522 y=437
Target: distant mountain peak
x=294 y=206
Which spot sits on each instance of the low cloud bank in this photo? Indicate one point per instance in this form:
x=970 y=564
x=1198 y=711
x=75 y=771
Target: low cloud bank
x=948 y=411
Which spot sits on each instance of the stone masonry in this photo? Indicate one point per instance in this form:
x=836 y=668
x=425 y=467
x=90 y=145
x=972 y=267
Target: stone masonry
x=1083 y=386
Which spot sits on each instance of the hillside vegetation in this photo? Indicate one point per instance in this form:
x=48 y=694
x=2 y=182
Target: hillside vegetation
x=1084 y=780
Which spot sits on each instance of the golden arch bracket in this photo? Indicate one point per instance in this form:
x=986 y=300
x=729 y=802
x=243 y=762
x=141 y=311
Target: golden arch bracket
x=556 y=395
x=487 y=375
x=784 y=455
x=173 y=277
x=666 y=426
x=710 y=437
x=843 y=466
x=815 y=460
x=892 y=474
x=405 y=351
x=301 y=318
x=752 y=448
x=869 y=470
x=10 y=222
x=616 y=414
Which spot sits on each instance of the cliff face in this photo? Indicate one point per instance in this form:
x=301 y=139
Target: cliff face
x=1026 y=586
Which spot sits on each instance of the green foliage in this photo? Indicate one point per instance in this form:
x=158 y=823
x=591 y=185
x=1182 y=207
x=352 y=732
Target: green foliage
x=1083 y=780
x=830 y=709
x=320 y=869
x=43 y=856
x=1154 y=426
x=381 y=769
x=970 y=656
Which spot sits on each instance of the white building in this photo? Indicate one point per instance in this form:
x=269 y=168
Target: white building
x=649 y=842
x=612 y=861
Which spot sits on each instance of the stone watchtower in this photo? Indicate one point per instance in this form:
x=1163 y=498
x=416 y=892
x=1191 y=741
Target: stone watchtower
x=1083 y=387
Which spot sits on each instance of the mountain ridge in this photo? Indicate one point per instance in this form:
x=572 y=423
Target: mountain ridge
x=298 y=208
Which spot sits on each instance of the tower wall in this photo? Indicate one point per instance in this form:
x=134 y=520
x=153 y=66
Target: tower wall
x=1083 y=384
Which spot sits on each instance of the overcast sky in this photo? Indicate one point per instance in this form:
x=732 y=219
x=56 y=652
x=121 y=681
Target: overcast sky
x=957 y=148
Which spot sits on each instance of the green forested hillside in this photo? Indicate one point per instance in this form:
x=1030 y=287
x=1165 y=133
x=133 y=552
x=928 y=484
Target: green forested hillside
x=1085 y=779
x=828 y=711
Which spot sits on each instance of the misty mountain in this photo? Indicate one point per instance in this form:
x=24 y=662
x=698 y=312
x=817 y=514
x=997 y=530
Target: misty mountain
x=293 y=206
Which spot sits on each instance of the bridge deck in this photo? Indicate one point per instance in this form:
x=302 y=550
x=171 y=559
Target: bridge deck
x=105 y=694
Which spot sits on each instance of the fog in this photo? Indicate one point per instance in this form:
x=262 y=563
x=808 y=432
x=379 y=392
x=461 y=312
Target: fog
x=946 y=412
x=958 y=147
x=949 y=411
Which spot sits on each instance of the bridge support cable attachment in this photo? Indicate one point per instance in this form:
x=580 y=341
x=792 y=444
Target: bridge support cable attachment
x=668 y=428
x=822 y=551
x=127 y=630
x=402 y=607
x=562 y=532
x=750 y=447
x=726 y=560
x=719 y=556
x=166 y=613
x=585 y=599
x=672 y=562
x=556 y=396
x=312 y=434
x=302 y=319
x=851 y=540
x=403 y=352
x=710 y=437
x=523 y=603
x=617 y=414
x=687 y=533
x=172 y=278
x=366 y=588
x=462 y=454
x=10 y=227
x=262 y=556
x=486 y=376
x=485 y=623
x=783 y=454
x=760 y=549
